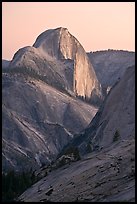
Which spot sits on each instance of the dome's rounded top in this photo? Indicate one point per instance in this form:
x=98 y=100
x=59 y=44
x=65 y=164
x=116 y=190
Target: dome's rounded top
x=50 y=33
x=52 y=40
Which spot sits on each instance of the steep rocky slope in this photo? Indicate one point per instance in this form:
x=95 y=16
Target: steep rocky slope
x=119 y=111
x=37 y=121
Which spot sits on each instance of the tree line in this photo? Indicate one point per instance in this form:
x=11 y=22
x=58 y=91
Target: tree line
x=14 y=184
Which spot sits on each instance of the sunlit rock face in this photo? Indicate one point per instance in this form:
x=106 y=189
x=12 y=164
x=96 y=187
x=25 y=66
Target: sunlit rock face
x=60 y=44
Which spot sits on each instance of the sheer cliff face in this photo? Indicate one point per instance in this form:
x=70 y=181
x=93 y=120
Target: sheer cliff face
x=60 y=44
x=84 y=77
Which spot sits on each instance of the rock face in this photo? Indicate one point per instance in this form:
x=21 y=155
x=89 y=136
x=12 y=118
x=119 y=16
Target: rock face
x=59 y=43
x=37 y=121
x=52 y=50
x=119 y=111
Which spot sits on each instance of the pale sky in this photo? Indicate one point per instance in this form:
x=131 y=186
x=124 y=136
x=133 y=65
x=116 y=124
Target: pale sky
x=96 y=25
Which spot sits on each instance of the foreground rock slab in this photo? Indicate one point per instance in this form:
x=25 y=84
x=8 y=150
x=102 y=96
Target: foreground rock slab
x=106 y=176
